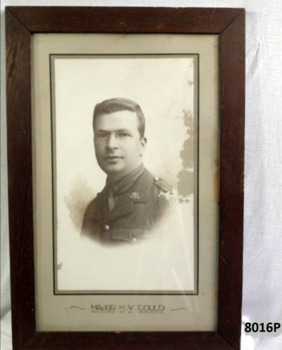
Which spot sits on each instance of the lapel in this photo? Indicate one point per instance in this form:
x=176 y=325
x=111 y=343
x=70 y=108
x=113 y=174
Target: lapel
x=102 y=204
x=124 y=206
x=125 y=202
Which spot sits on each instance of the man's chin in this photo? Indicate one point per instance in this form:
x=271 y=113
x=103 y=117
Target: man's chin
x=112 y=170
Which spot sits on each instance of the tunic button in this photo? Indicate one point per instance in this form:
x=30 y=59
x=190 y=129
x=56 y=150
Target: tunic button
x=106 y=227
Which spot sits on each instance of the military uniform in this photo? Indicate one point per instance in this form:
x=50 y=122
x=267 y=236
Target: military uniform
x=137 y=208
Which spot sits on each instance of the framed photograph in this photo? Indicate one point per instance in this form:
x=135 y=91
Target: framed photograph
x=126 y=163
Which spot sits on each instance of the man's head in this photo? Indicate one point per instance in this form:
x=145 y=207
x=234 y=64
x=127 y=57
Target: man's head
x=119 y=141
x=120 y=104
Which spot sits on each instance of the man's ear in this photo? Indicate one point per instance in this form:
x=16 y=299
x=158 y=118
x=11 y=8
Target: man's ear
x=143 y=143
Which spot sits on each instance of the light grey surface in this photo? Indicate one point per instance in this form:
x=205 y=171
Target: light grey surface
x=262 y=293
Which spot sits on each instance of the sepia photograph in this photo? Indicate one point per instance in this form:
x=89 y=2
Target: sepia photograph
x=124 y=159
x=128 y=137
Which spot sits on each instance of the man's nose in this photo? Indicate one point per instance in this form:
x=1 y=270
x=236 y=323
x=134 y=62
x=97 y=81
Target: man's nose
x=112 y=141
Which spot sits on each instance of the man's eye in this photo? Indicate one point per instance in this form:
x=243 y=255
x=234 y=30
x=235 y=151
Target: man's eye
x=123 y=134
x=101 y=136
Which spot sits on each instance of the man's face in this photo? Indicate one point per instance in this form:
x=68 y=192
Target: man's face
x=117 y=142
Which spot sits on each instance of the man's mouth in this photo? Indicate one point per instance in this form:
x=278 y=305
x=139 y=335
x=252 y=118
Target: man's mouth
x=112 y=157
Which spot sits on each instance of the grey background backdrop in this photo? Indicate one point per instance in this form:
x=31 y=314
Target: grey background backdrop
x=262 y=290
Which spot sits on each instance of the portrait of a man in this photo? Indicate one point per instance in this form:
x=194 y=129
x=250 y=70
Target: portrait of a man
x=118 y=189
x=124 y=173
x=133 y=200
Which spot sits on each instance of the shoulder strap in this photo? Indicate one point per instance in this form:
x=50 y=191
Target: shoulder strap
x=162 y=184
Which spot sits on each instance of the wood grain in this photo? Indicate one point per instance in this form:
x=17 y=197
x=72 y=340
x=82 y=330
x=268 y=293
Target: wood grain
x=232 y=112
x=20 y=179
x=125 y=19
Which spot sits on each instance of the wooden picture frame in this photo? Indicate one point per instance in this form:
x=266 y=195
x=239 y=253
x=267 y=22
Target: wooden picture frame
x=229 y=25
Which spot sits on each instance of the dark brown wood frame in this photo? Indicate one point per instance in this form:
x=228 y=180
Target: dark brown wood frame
x=229 y=24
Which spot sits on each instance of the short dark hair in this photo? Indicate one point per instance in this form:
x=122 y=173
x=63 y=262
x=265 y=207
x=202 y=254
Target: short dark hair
x=121 y=104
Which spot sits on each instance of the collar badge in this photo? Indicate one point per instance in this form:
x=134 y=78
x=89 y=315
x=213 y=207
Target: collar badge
x=134 y=196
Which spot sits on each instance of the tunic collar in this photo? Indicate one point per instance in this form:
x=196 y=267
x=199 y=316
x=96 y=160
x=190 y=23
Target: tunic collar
x=126 y=182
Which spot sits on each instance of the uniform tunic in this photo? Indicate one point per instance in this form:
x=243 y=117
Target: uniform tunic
x=139 y=203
